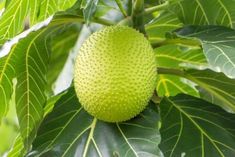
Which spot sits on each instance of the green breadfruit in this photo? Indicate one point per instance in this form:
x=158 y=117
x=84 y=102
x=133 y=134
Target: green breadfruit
x=115 y=73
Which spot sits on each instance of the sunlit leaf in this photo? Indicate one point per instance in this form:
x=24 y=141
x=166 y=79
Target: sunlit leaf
x=158 y=27
x=18 y=149
x=8 y=130
x=12 y=20
x=177 y=56
x=3 y=4
x=32 y=59
x=209 y=12
x=40 y=10
x=168 y=85
x=218 y=44
x=7 y=73
x=28 y=62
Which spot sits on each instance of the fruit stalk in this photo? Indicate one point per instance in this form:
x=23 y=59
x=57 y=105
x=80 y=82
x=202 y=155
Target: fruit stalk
x=138 y=16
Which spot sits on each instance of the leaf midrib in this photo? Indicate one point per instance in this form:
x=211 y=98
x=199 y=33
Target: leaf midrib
x=127 y=141
x=27 y=83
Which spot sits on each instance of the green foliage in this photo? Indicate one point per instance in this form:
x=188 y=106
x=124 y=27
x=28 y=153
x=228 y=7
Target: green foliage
x=9 y=25
x=8 y=130
x=197 y=128
x=89 y=8
x=98 y=137
x=61 y=44
x=13 y=19
x=192 y=109
x=214 y=87
x=160 y=25
x=218 y=46
x=205 y=12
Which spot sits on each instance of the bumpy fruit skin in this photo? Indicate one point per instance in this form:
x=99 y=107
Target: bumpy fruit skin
x=115 y=73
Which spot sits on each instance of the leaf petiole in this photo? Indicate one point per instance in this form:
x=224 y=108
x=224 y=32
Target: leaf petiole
x=160 y=7
x=119 y=3
x=180 y=41
x=171 y=71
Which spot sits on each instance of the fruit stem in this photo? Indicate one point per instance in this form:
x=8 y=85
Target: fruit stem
x=155 y=98
x=138 y=16
x=160 y=7
x=119 y=3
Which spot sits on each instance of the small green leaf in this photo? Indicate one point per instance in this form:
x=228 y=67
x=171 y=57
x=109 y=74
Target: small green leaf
x=76 y=133
x=195 y=128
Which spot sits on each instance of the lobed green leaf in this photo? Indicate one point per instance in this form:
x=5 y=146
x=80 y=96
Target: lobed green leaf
x=205 y=12
x=214 y=87
x=218 y=44
x=193 y=127
x=76 y=133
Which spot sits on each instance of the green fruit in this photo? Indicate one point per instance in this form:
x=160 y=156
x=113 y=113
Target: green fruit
x=115 y=73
